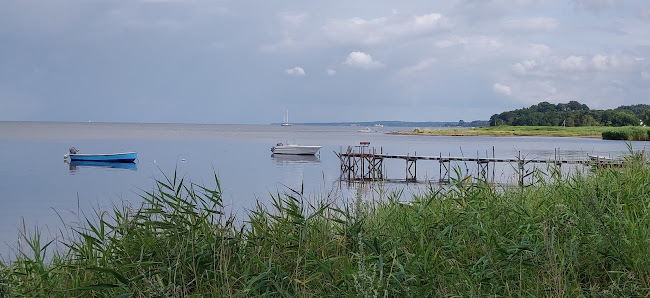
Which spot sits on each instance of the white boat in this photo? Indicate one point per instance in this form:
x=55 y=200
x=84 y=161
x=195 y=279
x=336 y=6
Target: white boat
x=367 y=129
x=599 y=158
x=286 y=120
x=379 y=125
x=295 y=149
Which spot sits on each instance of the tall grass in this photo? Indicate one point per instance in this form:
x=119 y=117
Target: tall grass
x=505 y=130
x=581 y=235
x=628 y=133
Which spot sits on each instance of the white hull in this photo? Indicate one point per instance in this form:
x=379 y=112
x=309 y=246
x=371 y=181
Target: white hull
x=599 y=158
x=295 y=149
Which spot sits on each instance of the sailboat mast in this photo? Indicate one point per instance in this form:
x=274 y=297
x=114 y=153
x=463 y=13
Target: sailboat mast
x=286 y=119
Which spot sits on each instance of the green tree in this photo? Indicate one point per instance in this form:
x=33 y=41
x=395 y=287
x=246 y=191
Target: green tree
x=588 y=120
x=620 y=118
x=570 y=122
x=645 y=117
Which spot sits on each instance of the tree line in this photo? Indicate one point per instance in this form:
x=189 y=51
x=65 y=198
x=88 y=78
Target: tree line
x=573 y=114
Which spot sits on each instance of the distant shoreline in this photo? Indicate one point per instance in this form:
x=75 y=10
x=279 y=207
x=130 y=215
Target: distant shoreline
x=410 y=133
x=594 y=132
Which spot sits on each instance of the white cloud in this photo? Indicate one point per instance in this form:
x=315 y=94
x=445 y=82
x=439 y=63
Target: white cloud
x=427 y=21
x=362 y=60
x=536 y=50
x=356 y=30
x=331 y=72
x=420 y=66
x=533 y=24
x=604 y=62
x=645 y=75
x=524 y=66
x=552 y=66
x=287 y=43
x=383 y=29
x=475 y=42
x=573 y=63
x=644 y=14
x=293 y=19
x=597 y=5
x=297 y=71
x=501 y=89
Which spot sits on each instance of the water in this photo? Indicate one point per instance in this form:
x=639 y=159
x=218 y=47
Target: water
x=38 y=189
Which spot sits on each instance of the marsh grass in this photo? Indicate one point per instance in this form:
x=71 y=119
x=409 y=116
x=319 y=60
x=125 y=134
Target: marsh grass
x=504 y=130
x=627 y=133
x=575 y=235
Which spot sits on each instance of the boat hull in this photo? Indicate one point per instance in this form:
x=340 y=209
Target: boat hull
x=295 y=149
x=112 y=157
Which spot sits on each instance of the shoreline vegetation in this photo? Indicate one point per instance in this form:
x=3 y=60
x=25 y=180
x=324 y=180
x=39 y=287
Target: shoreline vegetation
x=585 y=234
x=629 y=133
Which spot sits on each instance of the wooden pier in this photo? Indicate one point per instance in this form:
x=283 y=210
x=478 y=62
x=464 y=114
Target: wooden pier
x=362 y=163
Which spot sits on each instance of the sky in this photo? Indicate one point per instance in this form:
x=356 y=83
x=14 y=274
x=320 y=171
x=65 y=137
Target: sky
x=249 y=62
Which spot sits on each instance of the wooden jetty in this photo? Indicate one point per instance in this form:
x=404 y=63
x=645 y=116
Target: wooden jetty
x=362 y=163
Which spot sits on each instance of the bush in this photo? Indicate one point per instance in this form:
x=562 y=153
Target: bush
x=627 y=133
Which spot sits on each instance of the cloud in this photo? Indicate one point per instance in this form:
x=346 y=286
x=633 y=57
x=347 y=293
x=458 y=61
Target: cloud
x=573 y=63
x=536 y=50
x=420 y=66
x=293 y=19
x=331 y=72
x=532 y=24
x=296 y=71
x=383 y=29
x=481 y=42
x=597 y=5
x=427 y=21
x=524 y=67
x=501 y=89
x=362 y=60
x=645 y=75
x=644 y=14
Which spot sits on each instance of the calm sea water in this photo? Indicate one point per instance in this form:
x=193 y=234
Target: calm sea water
x=38 y=189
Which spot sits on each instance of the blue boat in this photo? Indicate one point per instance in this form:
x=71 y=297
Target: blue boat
x=110 y=157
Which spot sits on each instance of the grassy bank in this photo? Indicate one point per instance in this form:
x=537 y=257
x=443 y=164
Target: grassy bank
x=554 y=131
x=628 y=133
x=570 y=236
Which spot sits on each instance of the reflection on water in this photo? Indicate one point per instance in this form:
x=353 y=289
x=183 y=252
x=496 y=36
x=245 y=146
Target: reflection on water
x=75 y=164
x=295 y=159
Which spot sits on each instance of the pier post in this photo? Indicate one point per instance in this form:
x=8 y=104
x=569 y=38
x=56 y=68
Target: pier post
x=520 y=164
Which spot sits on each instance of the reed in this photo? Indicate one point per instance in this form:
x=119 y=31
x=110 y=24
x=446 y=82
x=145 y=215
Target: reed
x=505 y=130
x=579 y=235
x=627 y=133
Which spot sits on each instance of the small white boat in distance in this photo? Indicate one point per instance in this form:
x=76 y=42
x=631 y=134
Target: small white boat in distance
x=285 y=121
x=295 y=149
x=367 y=129
x=599 y=158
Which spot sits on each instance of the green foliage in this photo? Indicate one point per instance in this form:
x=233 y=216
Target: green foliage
x=645 y=117
x=505 y=130
x=637 y=110
x=581 y=235
x=628 y=133
x=569 y=115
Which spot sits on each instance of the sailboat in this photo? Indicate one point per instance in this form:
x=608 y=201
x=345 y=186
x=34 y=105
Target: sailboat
x=286 y=120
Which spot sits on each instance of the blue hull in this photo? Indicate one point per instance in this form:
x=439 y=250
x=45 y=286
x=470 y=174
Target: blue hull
x=115 y=157
x=105 y=164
